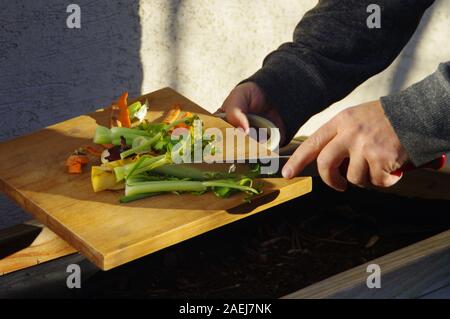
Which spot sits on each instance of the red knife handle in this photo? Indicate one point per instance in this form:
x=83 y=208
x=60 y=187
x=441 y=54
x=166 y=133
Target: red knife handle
x=437 y=163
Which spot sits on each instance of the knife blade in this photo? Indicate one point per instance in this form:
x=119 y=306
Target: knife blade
x=261 y=167
x=270 y=166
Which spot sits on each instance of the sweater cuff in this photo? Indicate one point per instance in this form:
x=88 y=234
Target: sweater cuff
x=420 y=115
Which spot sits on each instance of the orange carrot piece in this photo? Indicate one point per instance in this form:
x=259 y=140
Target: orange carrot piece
x=75 y=168
x=125 y=118
x=93 y=151
x=122 y=101
x=124 y=114
x=82 y=159
x=75 y=162
x=184 y=125
x=172 y=114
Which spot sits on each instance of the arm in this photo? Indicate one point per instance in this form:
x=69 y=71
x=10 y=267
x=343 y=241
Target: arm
x=332 y=53
x=420 y=116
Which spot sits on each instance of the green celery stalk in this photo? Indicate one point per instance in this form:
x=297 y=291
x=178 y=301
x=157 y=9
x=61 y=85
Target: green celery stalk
x=143 y=147
x=149 y=167
x=186 y=171
x=147 y=164
x=121 y=172
x=133 y=108
x=127 y=199
x=186 y=120
x=139 y=141
x=224 y=192
x=183 y=186
x=136 y=165
x=230 y=184
x=102 y=135
x=130 y=134
x=129 y=138
x=164 y=186
x=124 y=131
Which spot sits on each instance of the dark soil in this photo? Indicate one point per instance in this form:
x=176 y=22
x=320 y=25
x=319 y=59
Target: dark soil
x=279 y=251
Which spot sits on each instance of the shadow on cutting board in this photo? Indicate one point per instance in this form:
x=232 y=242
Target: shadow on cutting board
x=52 y=178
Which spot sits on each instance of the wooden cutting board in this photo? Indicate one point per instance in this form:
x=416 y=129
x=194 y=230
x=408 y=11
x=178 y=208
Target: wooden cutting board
x=33 y=174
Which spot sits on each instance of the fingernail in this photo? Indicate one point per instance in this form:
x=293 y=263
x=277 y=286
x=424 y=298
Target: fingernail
x=247 y=130
x=286 y=172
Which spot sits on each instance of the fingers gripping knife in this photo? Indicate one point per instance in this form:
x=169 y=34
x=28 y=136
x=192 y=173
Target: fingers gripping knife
x=285 y=152
x=435 y=164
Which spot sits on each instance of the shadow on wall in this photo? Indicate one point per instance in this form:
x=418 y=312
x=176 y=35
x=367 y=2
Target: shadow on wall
x=50 y=73
x=407 y=58
x=173 y=38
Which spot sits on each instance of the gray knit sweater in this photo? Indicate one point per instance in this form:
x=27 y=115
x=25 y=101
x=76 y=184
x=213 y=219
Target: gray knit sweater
x=334 y=51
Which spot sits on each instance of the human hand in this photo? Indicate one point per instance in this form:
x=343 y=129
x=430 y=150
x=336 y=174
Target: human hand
x=361 y=133
x=248 y=98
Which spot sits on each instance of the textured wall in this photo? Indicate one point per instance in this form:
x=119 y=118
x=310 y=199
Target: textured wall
x=49 y=73
x=203 y=48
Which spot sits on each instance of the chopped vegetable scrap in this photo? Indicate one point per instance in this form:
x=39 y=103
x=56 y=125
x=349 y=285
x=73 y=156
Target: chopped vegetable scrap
x=138 y=157
x=75 y=162
x=93 y=151
x=172 y=115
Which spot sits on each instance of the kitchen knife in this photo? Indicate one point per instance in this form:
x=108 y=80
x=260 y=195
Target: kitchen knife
x=267 y=166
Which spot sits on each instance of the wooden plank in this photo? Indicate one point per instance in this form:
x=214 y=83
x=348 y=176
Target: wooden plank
x=407 y=273
x=45 y=247
x=441 y=293
x=32 y=173
x=408 y=277
x=48 y=278
x=17 y=237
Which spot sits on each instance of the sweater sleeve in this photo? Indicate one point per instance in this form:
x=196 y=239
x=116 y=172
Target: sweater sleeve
x=420 y=116
x=333 y=51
